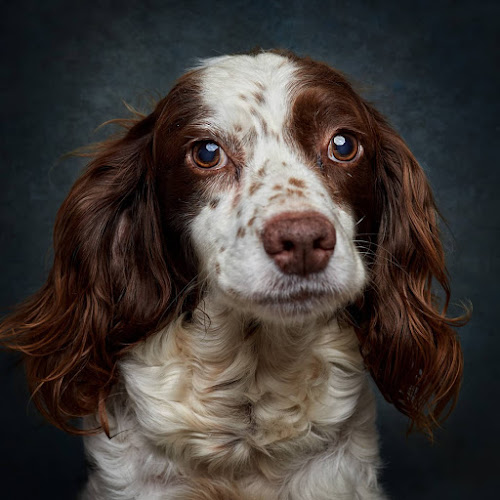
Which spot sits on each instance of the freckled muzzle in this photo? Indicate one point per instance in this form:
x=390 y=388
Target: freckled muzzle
x=299 y=242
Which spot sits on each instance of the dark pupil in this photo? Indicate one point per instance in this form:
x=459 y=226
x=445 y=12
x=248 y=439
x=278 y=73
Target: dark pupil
x=208 y=152
x=343 y=144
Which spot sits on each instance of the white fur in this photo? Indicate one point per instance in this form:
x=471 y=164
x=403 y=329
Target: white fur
x=310 y=433
x=257 y=396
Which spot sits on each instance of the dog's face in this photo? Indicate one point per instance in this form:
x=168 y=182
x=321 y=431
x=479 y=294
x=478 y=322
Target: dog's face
x=277 y=157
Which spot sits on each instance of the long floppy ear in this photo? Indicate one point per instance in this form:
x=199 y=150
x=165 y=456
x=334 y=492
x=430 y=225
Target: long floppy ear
x=109 y=285
x=408 y=342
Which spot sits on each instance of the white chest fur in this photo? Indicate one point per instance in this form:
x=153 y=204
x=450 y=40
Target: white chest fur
x=219 y=397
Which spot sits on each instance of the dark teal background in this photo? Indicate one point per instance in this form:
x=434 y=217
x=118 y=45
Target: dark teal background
x=431 y=67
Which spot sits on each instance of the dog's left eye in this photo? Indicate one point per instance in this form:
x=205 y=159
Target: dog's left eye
x=343 y=147
x=208 y=154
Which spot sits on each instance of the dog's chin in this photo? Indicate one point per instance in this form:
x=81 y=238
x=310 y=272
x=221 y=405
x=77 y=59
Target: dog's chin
x=286 y=308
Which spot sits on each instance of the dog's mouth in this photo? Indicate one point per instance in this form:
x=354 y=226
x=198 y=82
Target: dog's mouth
x=295 y=301
x=300 y=296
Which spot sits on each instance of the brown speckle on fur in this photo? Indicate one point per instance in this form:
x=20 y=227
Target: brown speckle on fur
x=254 y=187
x=259 y=97
x=236 y=200
x=297 y=182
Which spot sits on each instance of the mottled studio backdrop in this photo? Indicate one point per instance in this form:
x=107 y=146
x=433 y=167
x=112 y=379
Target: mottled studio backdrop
x=431 y=67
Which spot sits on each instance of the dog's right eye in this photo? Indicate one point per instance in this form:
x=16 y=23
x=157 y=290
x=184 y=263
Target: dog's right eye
x=208 y=155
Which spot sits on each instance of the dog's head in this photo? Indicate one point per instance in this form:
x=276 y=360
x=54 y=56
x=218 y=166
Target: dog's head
x=268 y=182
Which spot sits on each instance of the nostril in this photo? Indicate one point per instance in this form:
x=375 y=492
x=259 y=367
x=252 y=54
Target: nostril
x=288 y=245
x=317 y=243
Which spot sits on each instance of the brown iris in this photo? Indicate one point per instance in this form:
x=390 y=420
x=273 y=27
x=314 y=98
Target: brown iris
x=208 y=154
x=343 y=147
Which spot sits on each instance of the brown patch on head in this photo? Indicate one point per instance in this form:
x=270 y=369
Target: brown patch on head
x=241 y=232
x=238 y=128
x=251 y=221
x=297 y=182
x=326 y=103
x=243 y=97
x=277 y=187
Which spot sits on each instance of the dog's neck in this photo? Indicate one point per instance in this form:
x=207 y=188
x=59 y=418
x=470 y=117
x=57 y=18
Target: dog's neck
x=225 y=376
x=221 y=395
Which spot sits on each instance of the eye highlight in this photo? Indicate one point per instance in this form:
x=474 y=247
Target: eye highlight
x=208 y=155
x=343 y=147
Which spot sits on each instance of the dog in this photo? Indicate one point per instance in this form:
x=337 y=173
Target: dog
x=227 y=275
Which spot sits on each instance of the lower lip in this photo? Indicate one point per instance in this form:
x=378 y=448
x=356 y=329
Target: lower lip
x=299 y=298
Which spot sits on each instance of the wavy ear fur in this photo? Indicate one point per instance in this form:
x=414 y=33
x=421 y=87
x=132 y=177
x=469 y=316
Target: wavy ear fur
x=108 y=287
x=408 y=342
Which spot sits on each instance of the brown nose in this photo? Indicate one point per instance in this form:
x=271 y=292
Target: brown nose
x=299 y=242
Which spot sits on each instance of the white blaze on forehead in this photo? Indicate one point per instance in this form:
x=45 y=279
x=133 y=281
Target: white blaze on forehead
x=231 y=84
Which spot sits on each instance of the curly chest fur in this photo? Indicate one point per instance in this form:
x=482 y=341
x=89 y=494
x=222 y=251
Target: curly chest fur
x=222 y=396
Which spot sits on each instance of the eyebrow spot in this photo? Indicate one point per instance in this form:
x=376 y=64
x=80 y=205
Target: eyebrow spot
x=297 y=182
x=214 y=203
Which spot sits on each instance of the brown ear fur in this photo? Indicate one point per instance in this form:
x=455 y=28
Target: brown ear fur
x=108 y=287
x=408 y=342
